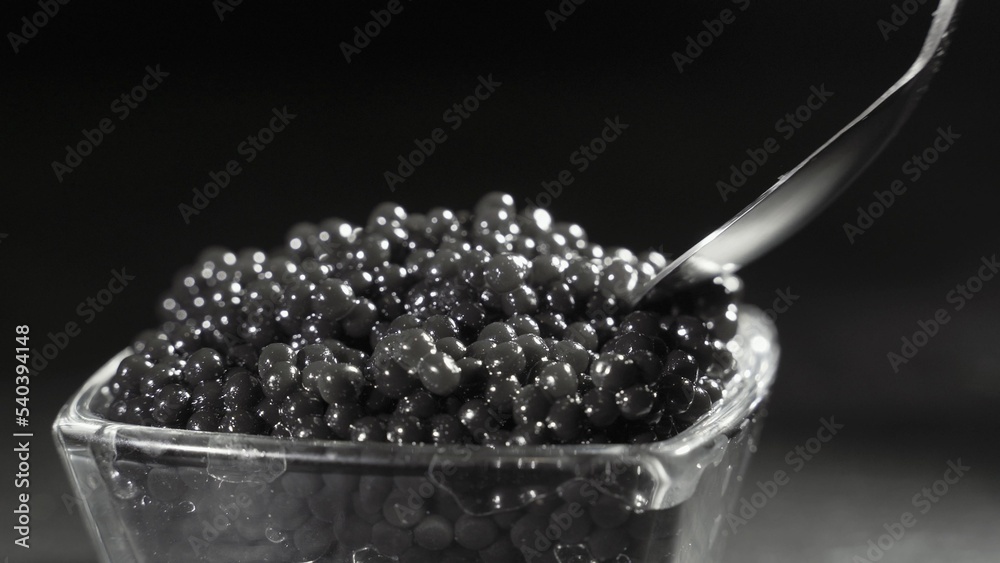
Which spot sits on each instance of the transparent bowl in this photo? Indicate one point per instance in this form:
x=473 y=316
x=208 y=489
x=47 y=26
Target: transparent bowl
x=162 y=495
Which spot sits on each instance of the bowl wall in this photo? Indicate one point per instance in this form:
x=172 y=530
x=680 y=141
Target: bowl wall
x=160 y=495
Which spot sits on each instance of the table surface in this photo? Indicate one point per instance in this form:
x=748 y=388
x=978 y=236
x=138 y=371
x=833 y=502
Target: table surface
x=855 y=486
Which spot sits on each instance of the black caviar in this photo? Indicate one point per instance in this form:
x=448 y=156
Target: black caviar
x=494 y=327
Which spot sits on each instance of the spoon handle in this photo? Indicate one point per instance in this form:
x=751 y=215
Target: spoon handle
x=804 y=191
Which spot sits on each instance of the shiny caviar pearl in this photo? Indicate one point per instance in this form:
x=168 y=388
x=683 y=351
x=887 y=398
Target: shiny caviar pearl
x=506 y=272
x=556 y=379
x=439 y=373
x=333 y=299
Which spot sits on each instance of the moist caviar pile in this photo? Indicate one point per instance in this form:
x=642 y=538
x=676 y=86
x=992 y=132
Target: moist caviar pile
x=492 y=327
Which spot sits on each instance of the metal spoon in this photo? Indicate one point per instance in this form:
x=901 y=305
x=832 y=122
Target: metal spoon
x=804 y=191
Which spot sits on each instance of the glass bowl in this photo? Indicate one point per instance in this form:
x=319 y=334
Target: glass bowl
x=164 y=495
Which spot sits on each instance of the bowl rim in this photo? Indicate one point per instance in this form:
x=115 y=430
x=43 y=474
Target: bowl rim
x=755 y=348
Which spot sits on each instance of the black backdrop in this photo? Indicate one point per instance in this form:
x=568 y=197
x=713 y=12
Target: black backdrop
x=222 y=77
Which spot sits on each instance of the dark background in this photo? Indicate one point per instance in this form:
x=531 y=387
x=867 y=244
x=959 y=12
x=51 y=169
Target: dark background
x=654 y=186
